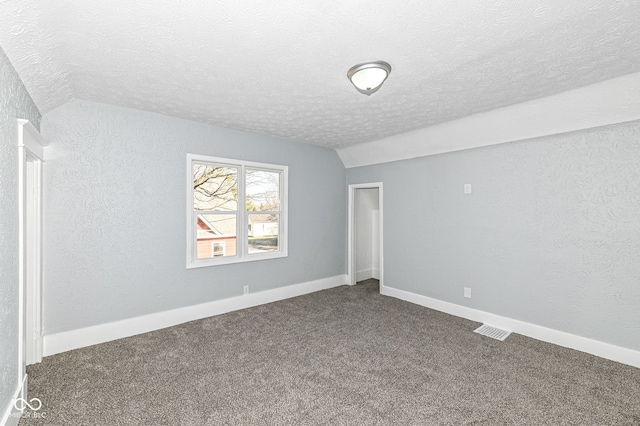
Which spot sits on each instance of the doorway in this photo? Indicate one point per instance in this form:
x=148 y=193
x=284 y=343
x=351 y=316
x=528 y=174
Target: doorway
x=30 y=161
x=365 y=242
x=32 y=259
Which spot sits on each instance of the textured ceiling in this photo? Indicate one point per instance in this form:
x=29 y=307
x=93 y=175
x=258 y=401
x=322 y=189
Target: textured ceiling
x=279 y=67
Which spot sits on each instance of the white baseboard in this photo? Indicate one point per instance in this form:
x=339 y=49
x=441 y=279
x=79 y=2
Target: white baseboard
x=12 y=415
x=35 y=355
x=38 y=348
x=79 y=338
x=560 y=338
x=375 y=273
x=368 y=273
x=364 y=275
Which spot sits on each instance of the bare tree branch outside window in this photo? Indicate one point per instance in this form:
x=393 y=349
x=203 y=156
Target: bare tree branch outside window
x=263 y=190
x=215 y=188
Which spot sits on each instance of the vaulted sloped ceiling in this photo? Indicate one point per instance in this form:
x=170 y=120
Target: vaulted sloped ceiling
x=279 y=67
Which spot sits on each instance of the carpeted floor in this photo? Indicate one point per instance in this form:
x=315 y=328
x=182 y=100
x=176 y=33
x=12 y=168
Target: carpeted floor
x=345 y=356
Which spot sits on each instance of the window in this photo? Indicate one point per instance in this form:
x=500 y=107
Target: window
x=236 y=211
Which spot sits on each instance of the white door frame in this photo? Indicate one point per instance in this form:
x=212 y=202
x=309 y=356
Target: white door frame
x=351 y=245
x=30 y=150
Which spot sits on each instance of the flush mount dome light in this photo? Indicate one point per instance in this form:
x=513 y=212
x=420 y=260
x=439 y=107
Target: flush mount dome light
x=367 y=78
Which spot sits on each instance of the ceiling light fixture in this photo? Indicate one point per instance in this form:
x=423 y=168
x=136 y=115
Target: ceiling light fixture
x=367 y=78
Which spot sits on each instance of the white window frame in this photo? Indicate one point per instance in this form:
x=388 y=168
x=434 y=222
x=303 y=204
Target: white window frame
x=242 y=246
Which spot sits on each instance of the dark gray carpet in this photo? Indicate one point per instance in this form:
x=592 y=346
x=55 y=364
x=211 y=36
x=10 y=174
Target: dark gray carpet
x=345 y=356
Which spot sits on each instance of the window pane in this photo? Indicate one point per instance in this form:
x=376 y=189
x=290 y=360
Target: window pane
x=216 y=235
x=263 y=232
x=215 y=188
x=263 y=190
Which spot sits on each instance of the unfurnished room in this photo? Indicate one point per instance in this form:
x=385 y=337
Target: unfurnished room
x=319 y=213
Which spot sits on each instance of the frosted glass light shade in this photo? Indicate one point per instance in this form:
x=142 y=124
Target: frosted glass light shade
x=367 y=78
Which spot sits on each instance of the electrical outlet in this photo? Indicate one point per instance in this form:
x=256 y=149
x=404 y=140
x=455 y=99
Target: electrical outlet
x=467 y=292
x=245 y=289
x=467 y=188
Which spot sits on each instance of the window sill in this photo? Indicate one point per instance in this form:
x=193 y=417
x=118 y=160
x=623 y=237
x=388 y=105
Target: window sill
x=203 y=263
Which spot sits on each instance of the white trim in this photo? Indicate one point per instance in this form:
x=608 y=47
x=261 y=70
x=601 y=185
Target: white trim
x=79 y=338
x=560 y=338
x=365 y=274
x=608 y=102
x=375 y=273
x=368 y=273
x=12 y=415
x=34 y=142
x=30 y=150
x=33 y=257
x=351 y=229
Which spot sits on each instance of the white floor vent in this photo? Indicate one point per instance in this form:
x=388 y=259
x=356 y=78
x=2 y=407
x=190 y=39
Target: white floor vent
x=493 y=332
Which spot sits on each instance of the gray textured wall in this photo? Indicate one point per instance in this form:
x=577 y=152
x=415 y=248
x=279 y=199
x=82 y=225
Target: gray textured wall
x=15 y=103
x=550 y=235
x=115 y=239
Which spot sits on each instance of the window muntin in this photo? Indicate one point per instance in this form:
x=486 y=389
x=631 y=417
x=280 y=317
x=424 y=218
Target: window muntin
x=237 y=211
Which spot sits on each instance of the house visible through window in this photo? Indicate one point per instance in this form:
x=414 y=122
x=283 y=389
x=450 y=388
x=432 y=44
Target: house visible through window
x=236 y=211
